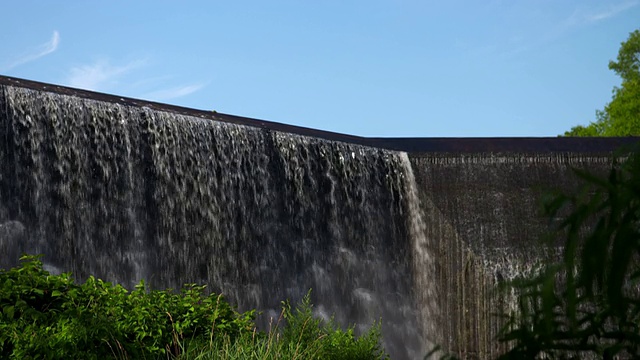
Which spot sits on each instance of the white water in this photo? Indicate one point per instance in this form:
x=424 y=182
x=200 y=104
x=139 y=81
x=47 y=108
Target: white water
x=126 y=193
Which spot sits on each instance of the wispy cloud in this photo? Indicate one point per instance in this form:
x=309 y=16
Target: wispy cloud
x=611 y=11
x=590 y=16
x=172 y=93
x=103 y=76
x=36 y=53
x=100 y=75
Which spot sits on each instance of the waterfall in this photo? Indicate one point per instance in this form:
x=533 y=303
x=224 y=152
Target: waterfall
x=128 y=190
x=423 y=261
x=128 y=193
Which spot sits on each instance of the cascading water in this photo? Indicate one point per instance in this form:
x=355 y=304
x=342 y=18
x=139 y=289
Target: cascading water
x=128 y=193
x=423 y=261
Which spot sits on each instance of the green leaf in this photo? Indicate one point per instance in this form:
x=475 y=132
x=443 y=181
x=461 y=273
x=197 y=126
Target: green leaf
x=9 y=311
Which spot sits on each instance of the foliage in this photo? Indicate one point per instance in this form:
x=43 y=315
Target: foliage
x=587 y=304
x=300 y=337
x=328 y=340
x=621 y=117
x=46 y=316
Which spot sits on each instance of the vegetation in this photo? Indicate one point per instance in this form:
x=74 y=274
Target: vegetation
x=46 y=316
x=621 y=117
x=587 y=305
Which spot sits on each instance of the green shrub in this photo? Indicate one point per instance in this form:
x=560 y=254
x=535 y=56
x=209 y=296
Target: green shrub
x=48 y=316
x=297 y=334
x=51 y=317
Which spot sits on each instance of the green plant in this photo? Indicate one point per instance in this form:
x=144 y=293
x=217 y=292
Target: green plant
x=48 y=316
x=621 y=116
x=296 y=334
x=51 y=317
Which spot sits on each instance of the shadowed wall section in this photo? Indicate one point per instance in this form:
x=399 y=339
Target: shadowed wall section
x=488 y=227
x=412 y=232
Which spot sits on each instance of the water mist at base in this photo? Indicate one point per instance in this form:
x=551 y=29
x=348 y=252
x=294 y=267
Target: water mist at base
x=127 y=193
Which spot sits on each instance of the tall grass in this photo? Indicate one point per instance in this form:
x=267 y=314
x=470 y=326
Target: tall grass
x=296 y=334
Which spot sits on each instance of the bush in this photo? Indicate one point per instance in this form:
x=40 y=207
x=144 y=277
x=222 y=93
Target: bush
x=297 y=334
x=49 y=316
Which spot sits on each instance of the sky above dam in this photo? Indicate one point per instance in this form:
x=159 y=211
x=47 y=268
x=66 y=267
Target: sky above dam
x=390 y=68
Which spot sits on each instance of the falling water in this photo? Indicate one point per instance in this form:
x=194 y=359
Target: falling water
x=128 y=193
x=423 y=262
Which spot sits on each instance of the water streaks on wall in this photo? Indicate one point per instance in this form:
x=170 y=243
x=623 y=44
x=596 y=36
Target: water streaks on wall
x=127 y=191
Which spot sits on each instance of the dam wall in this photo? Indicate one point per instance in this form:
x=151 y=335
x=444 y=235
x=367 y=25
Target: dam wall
x=413 y=232
x=483 y=210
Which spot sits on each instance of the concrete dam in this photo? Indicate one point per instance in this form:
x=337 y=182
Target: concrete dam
x=414 y=232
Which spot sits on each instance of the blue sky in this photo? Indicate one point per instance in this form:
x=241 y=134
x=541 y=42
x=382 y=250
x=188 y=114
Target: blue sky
x=369 y=68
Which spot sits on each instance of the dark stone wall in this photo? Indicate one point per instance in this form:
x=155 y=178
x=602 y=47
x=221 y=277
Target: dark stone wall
x=486 y=227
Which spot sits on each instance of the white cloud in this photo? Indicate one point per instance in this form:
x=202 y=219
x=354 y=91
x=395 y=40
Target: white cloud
x=172 y=93
x=51 y=46
x=100 y=75
x=38 y=52
x=582 y=16
x=103 y=76
x=611 y=11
